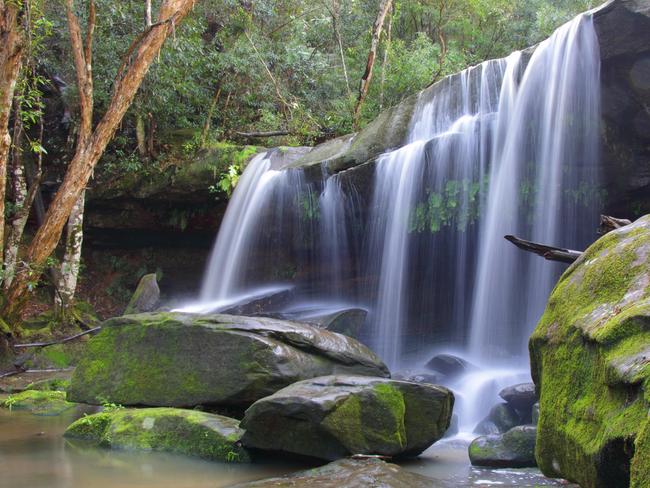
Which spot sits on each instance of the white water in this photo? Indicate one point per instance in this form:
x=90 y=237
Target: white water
x=507 y=147
x=238 y=231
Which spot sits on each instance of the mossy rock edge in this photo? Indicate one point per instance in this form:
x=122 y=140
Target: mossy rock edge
x=590 y=360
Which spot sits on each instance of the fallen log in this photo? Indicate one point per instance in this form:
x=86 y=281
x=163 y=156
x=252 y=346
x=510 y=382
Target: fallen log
x=608 y=224
x=59 y=341
x=547 y=252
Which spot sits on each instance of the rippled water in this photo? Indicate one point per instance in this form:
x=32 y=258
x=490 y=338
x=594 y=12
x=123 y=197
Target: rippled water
x=34 y=454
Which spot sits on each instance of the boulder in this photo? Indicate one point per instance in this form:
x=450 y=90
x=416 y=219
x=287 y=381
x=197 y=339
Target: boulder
x=590 y=361
x=337 y=416
x=189 y=432
x=514 y=449
x=349 y=473
x=179 y=359
x=534 y=417
x=502 y=416
x=450 y=365
x=146 y=296
x=521 y=397
x=348 y=321
x=45 y=403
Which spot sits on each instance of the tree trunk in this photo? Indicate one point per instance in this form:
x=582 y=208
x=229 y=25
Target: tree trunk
x=384 y=65
x=69 y=271
x=11 y=50
x=547 y=252
x=141 y=136
x=208 y=119
x=130 y=75
x=367 y=75
x=336 y=16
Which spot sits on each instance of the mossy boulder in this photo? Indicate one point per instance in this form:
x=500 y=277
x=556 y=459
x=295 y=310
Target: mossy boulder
x=514 y=449
x=590 y=360
x=146 y=296
x=189 y=432
x=337 y=416
x=181 y=359
x=350 y=473
x=45 y=403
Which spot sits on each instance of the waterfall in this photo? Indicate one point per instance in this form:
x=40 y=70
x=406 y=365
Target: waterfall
x=506 y=147
x=543 y=184
x=509 y=146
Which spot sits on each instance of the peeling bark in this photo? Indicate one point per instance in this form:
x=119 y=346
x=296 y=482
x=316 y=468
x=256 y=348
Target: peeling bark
x=66 y=282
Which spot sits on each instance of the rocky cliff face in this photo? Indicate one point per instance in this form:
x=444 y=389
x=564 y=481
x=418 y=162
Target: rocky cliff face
x=590 y=359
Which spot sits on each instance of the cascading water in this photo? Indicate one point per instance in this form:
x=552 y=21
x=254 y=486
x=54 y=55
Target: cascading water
x=506 y=147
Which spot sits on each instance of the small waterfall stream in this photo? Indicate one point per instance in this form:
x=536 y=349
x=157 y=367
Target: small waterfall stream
x=509 y=146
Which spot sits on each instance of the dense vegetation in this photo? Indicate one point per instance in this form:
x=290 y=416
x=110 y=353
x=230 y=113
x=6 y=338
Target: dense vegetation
x=233 y=71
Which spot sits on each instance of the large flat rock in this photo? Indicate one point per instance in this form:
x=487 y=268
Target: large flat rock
x=337 y=416
x=180 y=359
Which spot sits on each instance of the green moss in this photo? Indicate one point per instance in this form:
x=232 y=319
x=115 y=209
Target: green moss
x=371 y=423
x=54 y=384
x=641 y=462
x=587 y=359
x=46 y=403
x=187 y=432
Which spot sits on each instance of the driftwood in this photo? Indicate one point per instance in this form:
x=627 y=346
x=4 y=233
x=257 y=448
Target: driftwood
x=547 y=252
x=272 y=133
x=608 y=224
x=60 y=341
x=31 y=371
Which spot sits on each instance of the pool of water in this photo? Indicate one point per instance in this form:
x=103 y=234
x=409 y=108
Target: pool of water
x=34 y=454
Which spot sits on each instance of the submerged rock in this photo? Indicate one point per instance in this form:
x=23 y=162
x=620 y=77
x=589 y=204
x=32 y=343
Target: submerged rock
x=180 y=359
x=349 y=473
x=590 y=360
x=146 y=296
x=419 y=377
x=450 y=365
x=336 y=416
x=514 y=449
x=189 y=432
x=46 y=403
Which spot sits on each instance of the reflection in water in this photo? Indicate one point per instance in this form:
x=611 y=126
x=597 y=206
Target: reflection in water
x=33 y=454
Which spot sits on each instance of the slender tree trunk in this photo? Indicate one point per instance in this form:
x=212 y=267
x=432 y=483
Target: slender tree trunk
x=208 y=119
x=384 y=65
x=151 y=138
x=147 y=13
x=141 y=136
x=336 y=16
x=130 y=75
x=68 y=275
x=11 y=50
x=374 y=43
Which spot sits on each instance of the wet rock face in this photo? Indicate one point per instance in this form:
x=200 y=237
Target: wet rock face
x=180 y=359
x=514 y=449
x=349 y=473
x=589 y=360
x=146 y=296
x=450 y=365
x=521 y=397
x=337 y=416
x=189 y=432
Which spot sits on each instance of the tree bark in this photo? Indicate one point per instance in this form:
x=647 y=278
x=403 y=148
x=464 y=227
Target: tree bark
x=384 y=6
x=547 y=252
x=141 y=136
x=66 y=283
x=11 y=50
x=336 y=20
x=384 y=64
x=136 y=63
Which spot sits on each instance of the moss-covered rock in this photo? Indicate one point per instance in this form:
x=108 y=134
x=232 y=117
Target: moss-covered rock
x=181 y=359
x=590 y=361
x=514 y=449
x=146 y=296
x=46 y=403
x=336 y=416
x=51 y=384
x=189 y=432
x=350 y=473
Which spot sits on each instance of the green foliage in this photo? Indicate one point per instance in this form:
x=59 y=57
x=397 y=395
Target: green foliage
x=458 y=203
